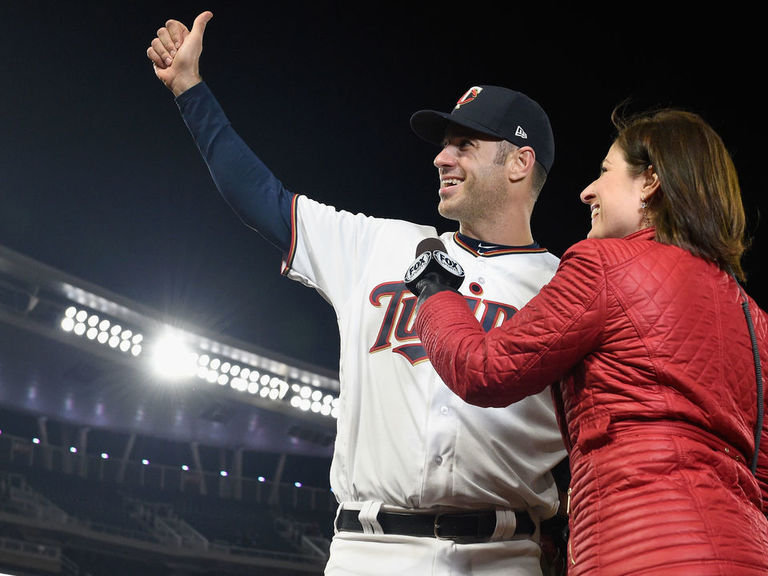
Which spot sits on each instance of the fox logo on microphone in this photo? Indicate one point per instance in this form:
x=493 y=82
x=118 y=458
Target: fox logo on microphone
x=448 y=263
x=420 y=264
x=432 y=261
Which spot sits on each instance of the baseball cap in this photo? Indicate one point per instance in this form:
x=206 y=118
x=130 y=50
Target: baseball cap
x=495 y=111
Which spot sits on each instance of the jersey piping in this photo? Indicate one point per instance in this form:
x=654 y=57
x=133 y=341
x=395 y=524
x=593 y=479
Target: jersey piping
x=288 y=260
x=475 y=247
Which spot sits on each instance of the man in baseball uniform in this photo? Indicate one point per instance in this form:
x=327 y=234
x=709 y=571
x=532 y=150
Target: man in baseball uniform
x=426 y=484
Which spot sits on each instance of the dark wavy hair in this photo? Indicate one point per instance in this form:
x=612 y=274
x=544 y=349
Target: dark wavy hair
x=698 y=204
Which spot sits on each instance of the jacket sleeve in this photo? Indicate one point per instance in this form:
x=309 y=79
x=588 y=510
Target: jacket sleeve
x=534 y=348
x=248 y=186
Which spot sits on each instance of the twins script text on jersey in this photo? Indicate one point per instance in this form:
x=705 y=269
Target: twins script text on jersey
x=397 y=322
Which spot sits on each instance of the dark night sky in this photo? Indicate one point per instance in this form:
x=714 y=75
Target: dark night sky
x=100 y=178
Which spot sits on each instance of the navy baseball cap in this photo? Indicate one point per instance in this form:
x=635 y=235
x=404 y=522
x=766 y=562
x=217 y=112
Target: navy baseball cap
x=495 y=111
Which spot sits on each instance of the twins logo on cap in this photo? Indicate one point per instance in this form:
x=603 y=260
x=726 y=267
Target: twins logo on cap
x=468 y=96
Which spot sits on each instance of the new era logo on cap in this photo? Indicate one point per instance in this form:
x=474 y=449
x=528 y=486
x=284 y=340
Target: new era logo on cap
x=496 y=112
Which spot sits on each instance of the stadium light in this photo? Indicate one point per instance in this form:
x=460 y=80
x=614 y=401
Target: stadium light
x=109 y=323
x=171 y=357
x=84 y=323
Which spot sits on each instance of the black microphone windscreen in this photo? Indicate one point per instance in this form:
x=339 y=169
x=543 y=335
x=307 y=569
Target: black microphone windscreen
x=429 y=244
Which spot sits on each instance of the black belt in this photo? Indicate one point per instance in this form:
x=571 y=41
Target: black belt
x=461 y=527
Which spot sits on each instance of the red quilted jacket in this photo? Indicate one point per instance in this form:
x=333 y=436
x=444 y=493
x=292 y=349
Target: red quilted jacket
x=657 y=402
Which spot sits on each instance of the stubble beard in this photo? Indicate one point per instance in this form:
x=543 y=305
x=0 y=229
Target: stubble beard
x=474 y=205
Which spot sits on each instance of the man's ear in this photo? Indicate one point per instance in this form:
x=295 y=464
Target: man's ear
x=520 y=163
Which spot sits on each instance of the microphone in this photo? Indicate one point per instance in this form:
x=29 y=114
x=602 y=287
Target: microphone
x=433 y=267
x=429 y=244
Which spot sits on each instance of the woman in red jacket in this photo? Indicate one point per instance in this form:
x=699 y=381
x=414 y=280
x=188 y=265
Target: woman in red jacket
x=658 y=354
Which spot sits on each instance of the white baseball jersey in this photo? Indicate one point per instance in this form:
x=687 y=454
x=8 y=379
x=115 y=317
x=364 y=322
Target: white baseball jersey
x=403 y=438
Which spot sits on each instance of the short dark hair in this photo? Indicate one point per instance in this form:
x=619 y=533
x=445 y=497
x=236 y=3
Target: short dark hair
x=539 y=174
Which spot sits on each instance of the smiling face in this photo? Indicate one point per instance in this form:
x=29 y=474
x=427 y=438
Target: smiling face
x=473 y=178
x=615 y=198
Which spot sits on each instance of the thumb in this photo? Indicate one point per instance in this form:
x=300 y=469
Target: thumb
x=198 y=27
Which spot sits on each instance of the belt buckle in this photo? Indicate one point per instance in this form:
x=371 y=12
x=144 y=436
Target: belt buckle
x=457 y=539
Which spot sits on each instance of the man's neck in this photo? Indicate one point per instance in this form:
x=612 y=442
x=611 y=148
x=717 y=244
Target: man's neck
x=510 y=234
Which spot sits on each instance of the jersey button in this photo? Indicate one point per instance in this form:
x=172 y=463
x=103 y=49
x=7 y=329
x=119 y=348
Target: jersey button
x=438 y=460
x=444 y=410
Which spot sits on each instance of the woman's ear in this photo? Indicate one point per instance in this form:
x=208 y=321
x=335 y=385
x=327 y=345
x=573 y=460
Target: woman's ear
x=651 y=183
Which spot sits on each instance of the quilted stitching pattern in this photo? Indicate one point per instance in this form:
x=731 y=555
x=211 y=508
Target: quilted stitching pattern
x=638 y=332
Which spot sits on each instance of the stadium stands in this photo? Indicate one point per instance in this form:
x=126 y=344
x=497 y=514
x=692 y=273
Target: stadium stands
x=58 y=517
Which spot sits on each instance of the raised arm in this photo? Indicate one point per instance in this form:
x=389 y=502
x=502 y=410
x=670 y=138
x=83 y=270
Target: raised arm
x=249 y=187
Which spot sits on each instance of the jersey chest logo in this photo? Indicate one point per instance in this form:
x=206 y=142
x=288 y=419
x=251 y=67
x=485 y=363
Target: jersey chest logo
x=397 y=331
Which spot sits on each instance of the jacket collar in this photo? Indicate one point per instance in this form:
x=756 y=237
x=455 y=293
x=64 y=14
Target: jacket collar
x=644 y=234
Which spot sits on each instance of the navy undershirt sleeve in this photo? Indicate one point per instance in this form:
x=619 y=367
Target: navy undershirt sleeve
x=248 y=186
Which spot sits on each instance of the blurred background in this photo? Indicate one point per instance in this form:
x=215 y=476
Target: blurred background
x=116 y=249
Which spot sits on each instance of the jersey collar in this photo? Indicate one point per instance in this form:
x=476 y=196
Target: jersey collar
x=480 y=248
